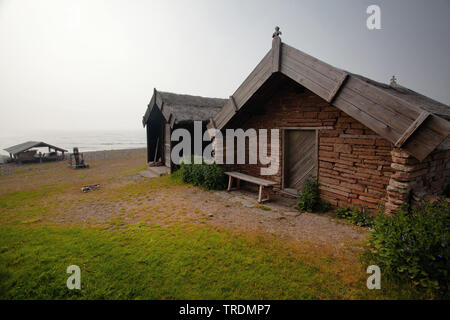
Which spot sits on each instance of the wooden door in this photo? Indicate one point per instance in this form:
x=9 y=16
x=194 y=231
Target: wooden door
x=300 y=154
x=167 y=145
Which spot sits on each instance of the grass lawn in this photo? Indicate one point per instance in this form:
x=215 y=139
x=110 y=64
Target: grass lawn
x=132 y=255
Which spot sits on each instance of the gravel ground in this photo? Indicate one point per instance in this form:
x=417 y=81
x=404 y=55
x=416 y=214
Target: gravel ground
x=235 y=210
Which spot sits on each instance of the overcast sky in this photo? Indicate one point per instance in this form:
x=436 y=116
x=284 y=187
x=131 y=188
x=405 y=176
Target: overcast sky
x=93 y=64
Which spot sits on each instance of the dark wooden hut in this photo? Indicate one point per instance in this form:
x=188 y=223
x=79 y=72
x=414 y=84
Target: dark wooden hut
x=368 y=143
x=169 y=111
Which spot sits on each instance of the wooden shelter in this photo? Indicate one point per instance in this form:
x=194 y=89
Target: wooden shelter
x=169 y=111
x=26 y=152
x=368 y=143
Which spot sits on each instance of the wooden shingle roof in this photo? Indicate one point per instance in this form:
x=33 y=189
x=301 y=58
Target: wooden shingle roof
x=409 y=120
x=181 y=108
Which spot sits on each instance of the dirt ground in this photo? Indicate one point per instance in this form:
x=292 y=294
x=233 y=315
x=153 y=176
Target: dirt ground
x=128 y=198
x=236 y=210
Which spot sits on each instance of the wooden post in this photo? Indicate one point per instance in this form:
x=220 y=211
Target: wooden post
x=276 y=50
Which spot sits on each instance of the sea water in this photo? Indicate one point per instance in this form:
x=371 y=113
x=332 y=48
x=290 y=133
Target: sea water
x=84 y=140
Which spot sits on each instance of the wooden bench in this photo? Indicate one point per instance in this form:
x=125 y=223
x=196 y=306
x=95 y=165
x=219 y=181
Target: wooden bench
x=262 y=183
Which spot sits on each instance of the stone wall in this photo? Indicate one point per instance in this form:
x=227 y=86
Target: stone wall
x=354 y=165
x=414 y=178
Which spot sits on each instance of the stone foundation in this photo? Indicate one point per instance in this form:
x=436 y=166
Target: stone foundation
x=429 y=177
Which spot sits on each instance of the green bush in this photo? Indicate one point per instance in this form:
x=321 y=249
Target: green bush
x=186 y=172
x=413 y=245
x=214 y=177
x=362 y=218
x=309 y=198
x=197 y=174
x=208 y=176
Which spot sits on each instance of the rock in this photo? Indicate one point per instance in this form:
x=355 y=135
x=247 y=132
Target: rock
x=210 y=215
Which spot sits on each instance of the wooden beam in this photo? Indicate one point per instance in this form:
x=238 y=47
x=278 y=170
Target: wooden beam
x=233 y=103
x=172 y=121
x=337 y=87
x=276 y=54
x=420 y=119
x=213 y=124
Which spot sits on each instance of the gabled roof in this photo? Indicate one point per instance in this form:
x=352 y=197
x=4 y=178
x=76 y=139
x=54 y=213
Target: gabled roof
x=179 y=108
x=30 y=144
x=409 y=120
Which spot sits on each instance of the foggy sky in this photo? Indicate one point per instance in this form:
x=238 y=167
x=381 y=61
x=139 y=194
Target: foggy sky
x=93 y=64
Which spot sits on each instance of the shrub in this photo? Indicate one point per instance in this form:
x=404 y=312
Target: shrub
x=186 y=172
x=414 y=245
x=309 y=198
x=362 y=218
x=210 y=177
x=214 y=177
x=197 y=174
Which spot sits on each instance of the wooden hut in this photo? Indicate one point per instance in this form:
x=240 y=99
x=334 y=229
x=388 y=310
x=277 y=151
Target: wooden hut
x=368 y=143
x=169 y=111
x=27 y=152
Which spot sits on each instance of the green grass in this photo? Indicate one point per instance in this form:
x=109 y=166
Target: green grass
x=154 y=262
x=160 y=254
x=17 y=199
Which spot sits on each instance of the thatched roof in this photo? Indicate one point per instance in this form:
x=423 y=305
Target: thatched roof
x=182 y=108
x=29 y=145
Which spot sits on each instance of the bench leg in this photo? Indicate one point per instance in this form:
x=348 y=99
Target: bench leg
x=230 y=183
x=260 y=194
x=268 y=194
